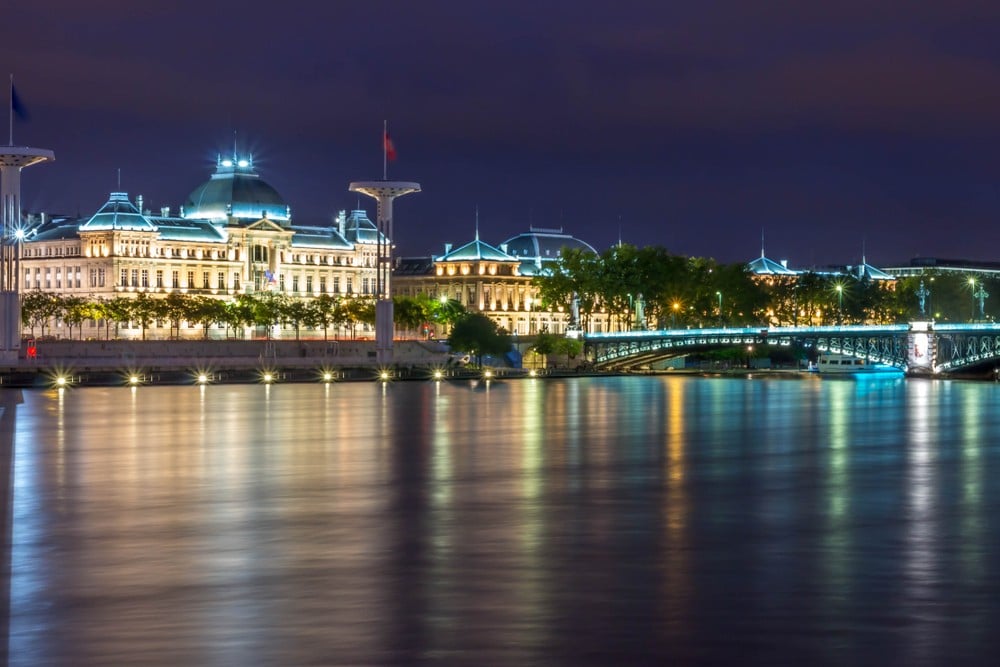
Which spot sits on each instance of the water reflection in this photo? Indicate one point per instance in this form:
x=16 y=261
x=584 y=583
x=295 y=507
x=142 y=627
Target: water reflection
x=583 y=521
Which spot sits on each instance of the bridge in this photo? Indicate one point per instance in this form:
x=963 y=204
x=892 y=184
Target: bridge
x=918 y=348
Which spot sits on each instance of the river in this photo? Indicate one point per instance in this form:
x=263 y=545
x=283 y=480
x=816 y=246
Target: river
x=581 y=521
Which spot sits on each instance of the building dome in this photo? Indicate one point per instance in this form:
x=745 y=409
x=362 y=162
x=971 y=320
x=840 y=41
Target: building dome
x=236 y=191
x=538 y=246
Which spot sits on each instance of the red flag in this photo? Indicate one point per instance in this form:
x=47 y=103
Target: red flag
x=390 y=150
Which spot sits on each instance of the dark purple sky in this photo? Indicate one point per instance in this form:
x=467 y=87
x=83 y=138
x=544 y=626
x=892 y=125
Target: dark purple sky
x=692 y=125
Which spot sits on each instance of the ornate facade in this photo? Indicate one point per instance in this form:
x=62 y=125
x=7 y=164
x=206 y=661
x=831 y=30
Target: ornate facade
x=495 y=280
x=234 y=235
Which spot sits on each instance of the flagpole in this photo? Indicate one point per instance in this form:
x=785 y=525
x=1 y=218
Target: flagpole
x=385 y=150
x=10 y=114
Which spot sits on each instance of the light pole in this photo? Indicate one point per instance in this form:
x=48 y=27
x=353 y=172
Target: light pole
x=972 y=288
x=673 y=314
x=840 y=304
x=719 y=294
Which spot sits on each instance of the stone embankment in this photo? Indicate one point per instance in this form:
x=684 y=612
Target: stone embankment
x=100 y=362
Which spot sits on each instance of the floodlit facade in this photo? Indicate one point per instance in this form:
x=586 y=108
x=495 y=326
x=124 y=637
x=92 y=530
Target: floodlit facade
x=495 y=280
x=234 y=235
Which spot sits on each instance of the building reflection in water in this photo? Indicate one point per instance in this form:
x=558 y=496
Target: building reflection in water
x=579 y=521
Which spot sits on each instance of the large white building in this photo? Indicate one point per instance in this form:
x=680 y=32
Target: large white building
x=233 y=235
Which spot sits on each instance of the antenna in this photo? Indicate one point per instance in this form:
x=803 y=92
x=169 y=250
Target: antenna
x=477 y=222
x=119 y=179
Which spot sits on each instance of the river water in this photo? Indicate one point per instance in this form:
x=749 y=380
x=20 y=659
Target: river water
x=585 y=521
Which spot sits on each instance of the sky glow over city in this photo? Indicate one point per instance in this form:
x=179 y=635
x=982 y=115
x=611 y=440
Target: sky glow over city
x=833 y=129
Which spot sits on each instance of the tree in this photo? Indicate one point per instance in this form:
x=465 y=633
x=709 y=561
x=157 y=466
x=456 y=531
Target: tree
x=296 y=312
x=325 y=313
x=75 y=310
x=478 y=335
x=409 y=313
x=38 y=308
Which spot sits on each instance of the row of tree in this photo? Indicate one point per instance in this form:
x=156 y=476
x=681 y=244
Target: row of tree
x=261 y=310
x=650 y=287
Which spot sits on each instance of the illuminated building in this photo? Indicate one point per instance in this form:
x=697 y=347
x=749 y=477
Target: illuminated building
x=234 y=235
x=495 y=280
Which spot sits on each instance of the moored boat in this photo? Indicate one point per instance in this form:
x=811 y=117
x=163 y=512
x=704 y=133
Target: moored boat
x=835 y=363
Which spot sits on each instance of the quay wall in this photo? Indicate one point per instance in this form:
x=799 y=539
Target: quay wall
x=224 y=353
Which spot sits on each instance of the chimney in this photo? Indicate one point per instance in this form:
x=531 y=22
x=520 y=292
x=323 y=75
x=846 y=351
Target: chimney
x=165 y=211
x=138 y=202
x=341 y=221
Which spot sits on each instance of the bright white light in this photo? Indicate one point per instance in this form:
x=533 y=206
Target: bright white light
x=19 y=234
x=227 y=163
x=202 y=378
x=384 y=375
x=438 y=375
x=61 y=381
x=327 y=376
x=133 y=379
x=268 y=377
x=532 y=373
x=243 y=163
x=488 y=374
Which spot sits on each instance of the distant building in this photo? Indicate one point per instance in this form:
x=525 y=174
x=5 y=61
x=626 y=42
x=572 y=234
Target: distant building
x=495 y=280
x=233 y=235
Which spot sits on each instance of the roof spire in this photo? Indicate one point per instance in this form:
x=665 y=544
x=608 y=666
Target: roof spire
x=477 y=222
x=762 y=242
x=235 y=156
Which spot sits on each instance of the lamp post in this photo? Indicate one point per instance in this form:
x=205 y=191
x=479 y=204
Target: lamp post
x=972 y=288
x=673 y=314
x=719 y=294
x=840 y=304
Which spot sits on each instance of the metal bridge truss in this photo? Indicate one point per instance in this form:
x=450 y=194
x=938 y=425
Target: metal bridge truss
x=890 y=349
x=957 y=349
x=627 y=351
x=884 y=347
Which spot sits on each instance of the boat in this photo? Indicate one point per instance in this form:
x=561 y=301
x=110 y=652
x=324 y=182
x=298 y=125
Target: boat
x=835 y=363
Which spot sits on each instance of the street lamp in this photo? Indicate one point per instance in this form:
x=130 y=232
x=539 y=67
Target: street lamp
x=676 y=306
x=972 y=288
x=840 y=304
x=719 y=294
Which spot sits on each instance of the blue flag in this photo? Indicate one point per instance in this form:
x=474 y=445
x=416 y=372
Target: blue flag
x=15 y=104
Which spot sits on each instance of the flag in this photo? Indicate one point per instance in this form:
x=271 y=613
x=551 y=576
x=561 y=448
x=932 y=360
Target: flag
x=270 y=277
x=390 y=150
x=15 y=104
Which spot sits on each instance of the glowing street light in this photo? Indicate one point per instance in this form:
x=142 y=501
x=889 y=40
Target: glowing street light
x=840 y=303
x=719 y=294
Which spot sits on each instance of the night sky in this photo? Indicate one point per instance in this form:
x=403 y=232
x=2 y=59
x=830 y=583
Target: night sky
x=829 y=126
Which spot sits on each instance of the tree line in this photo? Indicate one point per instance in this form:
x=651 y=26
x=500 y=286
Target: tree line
x=651 y=287
x=39 y=310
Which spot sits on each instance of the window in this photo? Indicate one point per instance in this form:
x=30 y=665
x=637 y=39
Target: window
x=364 y=285
x=309 y=284
x=236 y=281
x=27 y=278
x=336 y=284
x=175 y=278
x=159 y=278
x=100 y=277
x=350 y=286
x=322 y=284
x=295 y=283
x=222 y=280
x=58 y=278
x=190 y=282
x=135 y=277
x=204 y=280
x=145 y=278
x=124 y=282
